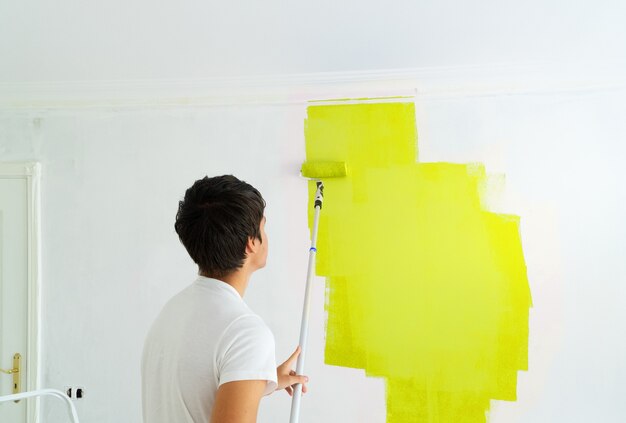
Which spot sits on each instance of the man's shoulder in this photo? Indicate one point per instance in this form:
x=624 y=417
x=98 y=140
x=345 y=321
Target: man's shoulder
x=247 y=319
x=248 y=325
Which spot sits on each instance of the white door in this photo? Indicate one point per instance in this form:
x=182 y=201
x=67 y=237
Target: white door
x=17 y=252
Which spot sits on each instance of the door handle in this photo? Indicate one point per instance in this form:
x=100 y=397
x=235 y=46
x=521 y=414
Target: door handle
x=15 y=371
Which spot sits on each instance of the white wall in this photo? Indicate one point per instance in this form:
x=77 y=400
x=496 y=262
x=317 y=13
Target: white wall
x=110 y=188
x=112 y=179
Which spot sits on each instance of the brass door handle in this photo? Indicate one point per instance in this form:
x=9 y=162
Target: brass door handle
x=15 y=371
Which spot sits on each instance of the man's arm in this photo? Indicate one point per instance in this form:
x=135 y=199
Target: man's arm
x=238 y=401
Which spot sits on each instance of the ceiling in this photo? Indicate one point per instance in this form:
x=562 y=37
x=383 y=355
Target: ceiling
x=191 y=39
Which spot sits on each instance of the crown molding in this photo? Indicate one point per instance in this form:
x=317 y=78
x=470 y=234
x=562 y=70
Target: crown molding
x=428 y=82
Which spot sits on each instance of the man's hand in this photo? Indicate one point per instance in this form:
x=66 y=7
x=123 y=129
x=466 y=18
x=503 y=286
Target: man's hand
x=287 y=378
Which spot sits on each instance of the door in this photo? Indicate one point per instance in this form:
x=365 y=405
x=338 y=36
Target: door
x=18 y=285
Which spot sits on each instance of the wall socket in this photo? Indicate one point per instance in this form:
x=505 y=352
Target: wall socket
x=75 y=392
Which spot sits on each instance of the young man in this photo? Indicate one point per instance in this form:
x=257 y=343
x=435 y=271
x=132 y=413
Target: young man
x=208 y=358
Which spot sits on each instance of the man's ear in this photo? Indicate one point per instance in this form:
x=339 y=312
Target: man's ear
x=251 y=245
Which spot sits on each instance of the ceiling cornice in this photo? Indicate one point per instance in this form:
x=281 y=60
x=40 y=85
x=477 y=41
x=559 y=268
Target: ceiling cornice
x=427 y=82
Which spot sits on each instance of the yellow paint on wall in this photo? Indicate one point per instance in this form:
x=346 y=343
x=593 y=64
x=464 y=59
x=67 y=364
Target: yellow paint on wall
x=425 y=288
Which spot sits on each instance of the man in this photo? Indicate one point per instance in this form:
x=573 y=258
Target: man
x=208 y=357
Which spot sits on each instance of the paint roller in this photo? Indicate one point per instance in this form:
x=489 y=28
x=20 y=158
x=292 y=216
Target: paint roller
x=315 y=171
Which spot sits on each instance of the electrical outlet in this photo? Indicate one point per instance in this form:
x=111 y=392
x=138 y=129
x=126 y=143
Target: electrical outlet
x=74 y=392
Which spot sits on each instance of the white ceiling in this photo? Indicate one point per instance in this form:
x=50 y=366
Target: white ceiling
x=78 y=40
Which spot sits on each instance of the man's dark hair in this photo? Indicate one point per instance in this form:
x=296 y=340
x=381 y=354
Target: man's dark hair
x=215 y=220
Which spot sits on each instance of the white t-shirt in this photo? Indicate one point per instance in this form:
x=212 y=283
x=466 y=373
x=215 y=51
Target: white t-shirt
x=205 y=336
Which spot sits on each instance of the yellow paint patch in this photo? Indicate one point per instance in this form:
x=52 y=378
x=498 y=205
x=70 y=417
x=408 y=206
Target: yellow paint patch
x=425 y=287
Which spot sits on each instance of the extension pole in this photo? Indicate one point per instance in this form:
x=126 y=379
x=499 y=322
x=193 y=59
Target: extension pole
x=304 y=327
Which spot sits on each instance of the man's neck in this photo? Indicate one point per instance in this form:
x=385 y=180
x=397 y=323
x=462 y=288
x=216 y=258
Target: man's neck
x=238 y=280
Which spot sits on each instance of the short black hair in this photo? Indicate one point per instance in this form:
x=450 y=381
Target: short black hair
x=215 y=220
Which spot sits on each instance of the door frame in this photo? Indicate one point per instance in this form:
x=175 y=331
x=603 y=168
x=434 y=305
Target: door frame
x=31 y=172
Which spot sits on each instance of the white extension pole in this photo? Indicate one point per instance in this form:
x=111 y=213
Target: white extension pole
x=41 y=392
x=304 y=327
